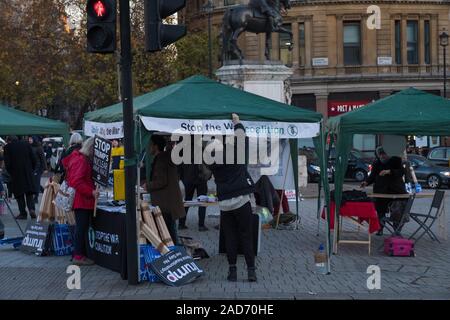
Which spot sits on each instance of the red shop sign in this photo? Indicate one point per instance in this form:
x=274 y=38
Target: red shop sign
x=338 y=107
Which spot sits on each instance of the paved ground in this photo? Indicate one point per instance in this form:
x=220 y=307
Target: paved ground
x=285 y=270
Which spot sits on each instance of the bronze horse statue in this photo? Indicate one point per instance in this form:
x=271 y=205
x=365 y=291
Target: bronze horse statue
x=257 y=17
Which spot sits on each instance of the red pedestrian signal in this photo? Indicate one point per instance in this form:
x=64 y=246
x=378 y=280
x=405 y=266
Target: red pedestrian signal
x=99 y=8
x=101 y=26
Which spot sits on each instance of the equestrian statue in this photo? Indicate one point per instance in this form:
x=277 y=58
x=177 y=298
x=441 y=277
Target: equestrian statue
x=257 y=17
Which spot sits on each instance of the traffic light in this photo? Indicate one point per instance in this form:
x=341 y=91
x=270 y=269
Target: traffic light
x=157 y=34
x=101 y=26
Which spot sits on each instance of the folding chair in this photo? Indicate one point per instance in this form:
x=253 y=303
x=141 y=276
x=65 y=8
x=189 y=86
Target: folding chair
x=426 y=221
x=391 y=225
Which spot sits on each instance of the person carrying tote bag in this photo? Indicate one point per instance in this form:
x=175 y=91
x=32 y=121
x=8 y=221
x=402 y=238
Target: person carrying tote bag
x=78 y=167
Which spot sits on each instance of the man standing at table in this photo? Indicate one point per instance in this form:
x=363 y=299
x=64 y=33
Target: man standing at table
x=387 y=177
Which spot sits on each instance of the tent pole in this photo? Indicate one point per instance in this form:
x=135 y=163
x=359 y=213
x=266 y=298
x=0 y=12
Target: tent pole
x=324 y=176
x=282 y=192
x=319 y=203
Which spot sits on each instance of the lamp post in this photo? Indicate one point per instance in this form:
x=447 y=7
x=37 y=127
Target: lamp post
x=443 y=41
x=208 y=8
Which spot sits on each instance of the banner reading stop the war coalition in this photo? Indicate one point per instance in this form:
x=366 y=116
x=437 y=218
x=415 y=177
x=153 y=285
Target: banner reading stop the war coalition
x=282 y=130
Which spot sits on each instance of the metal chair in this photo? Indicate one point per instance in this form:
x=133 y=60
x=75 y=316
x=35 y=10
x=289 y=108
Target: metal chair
x=426 y=221
x=393 y=227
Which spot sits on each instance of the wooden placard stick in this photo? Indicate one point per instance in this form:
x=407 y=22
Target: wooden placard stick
x=42 y=214
x=148 y=216
x=162 y=227
x=96 y=199
x=154 y=239
x=142 y=238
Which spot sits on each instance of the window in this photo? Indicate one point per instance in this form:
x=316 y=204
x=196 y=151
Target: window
x=427 y=42
x=301 y=43
x=411 y=42
x=285 y=43
x=398 y=42
x=352 y=43
x=438 y=154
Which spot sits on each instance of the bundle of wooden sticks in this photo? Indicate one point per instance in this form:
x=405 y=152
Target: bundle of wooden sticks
x=154 y=229
x=48 y=211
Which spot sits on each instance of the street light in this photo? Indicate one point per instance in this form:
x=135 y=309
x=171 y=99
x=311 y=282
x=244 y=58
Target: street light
x=443 y=41
x=208 y=8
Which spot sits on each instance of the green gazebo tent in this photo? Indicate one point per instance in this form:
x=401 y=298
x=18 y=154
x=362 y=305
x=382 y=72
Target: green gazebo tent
x=198 y=97
x=202 y=99
x=16 y=122
x=408 y=112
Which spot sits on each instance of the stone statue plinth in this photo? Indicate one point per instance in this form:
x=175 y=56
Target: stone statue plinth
x=269 y=79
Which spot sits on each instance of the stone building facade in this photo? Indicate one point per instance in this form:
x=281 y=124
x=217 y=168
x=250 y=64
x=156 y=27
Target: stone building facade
x=340 y=62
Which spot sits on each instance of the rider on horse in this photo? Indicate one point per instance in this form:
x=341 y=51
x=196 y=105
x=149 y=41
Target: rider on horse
x=271 y=8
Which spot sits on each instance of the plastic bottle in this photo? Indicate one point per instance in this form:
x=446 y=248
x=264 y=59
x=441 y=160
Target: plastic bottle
x=418 y=188
x=320 y=259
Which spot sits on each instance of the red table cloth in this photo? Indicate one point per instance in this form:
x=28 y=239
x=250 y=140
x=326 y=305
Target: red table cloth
x=364 y=211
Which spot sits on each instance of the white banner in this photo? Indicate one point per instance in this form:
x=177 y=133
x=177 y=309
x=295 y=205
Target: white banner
x=280 y=178
x=289 y=130
x=112 y=130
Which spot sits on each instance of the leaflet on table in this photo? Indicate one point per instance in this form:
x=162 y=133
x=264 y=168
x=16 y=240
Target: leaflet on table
x=121 y=209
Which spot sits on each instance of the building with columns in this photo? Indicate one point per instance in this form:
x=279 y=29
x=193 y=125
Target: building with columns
x=339 y=63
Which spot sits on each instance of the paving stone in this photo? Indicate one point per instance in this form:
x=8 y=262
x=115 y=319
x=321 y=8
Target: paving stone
x=285 y=269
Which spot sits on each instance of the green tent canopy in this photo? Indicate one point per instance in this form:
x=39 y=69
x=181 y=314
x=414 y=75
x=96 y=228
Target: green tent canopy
x=408 y=112
x=199 y=97
x=16 y=122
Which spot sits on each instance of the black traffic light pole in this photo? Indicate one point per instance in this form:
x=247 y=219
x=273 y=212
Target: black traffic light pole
x=130 y=156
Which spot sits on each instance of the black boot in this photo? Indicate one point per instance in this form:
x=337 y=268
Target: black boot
x=252 y=274
x=232 y=274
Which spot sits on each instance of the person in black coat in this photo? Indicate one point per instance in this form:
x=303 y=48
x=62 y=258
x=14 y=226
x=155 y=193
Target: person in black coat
x=20 y=162
x=41 y=165
x=387 y=176
x=234 y=187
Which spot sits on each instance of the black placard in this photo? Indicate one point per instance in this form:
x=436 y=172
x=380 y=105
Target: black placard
x=36 y=239
x=176 y=268
x=102 y=159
